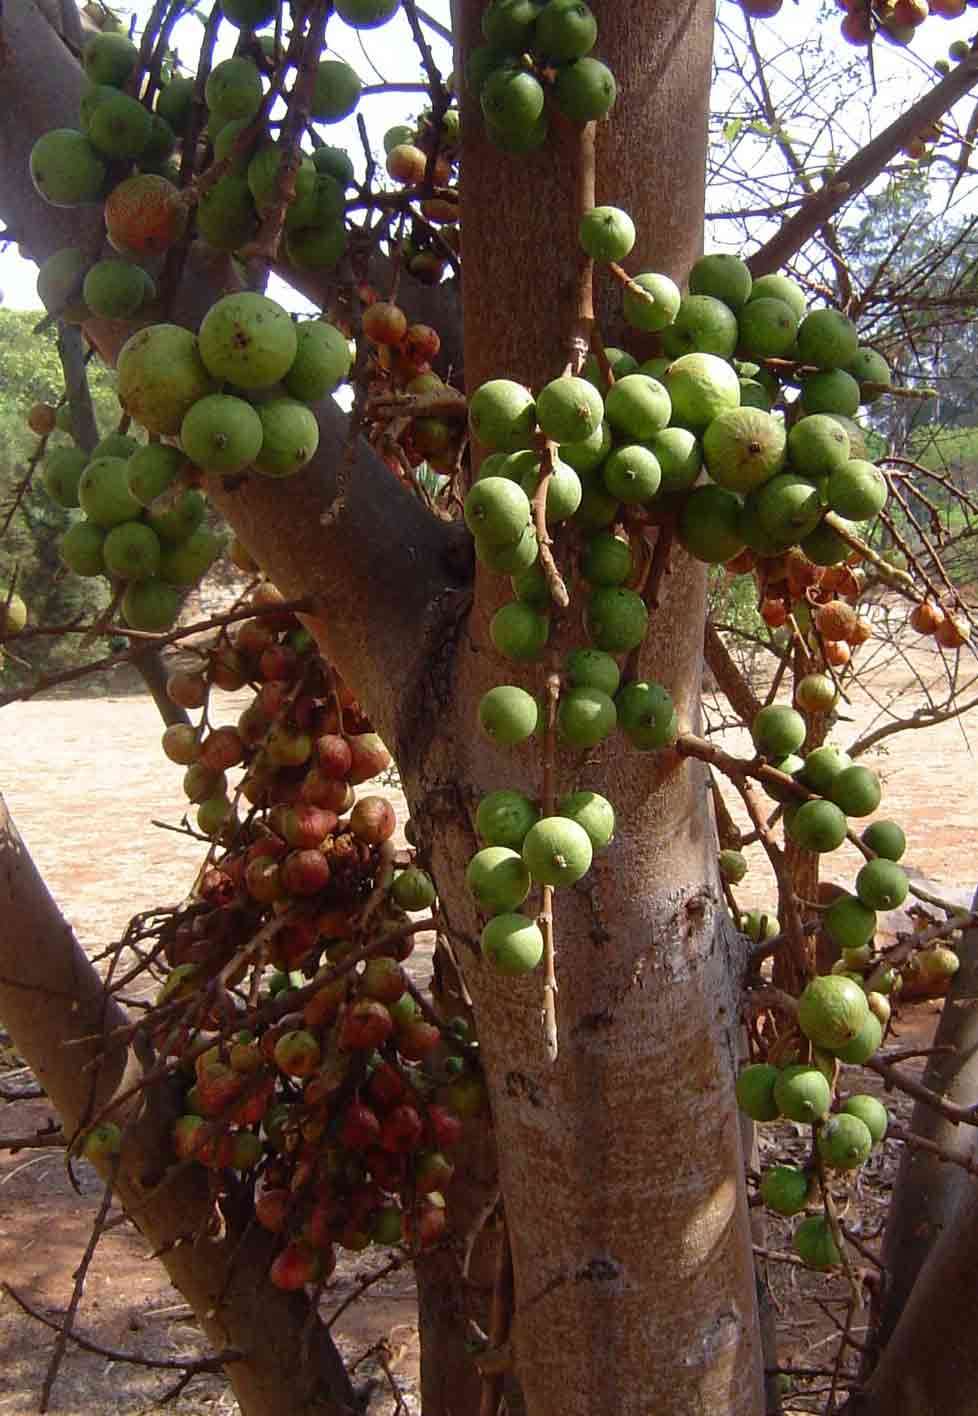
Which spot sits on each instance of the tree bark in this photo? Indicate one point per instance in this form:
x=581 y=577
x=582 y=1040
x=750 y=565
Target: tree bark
x=56 y=1010
x=620 y=1164
x=928 y=1189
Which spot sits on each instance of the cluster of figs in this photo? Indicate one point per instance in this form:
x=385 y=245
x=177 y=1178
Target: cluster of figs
x=687 y=439
x=308 y=1067
x=535 y=51
x=896 y=21
x=232 y=399
x=130 y=153
x=841 y=1016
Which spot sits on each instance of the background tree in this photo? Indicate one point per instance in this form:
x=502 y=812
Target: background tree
x=613 y=1115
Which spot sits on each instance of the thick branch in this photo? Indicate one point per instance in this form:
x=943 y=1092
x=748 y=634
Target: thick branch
x=51 y=1000
x=927 y=1190
x=382 y=569
x=855 y=175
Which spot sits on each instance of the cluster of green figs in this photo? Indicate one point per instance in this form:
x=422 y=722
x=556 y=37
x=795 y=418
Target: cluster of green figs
x=842 y=1015
x=233 y=398
x=535 y=50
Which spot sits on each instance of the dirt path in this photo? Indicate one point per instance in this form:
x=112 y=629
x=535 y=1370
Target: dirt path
x=84 y=779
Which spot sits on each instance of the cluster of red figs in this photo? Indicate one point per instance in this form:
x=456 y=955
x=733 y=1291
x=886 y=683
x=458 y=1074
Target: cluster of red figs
x=819 y=603
x=414 y=417
x=863 y=20
x=310 y=1069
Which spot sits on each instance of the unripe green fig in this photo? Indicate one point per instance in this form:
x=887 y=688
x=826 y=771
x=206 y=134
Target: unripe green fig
x=647 y=715
x=606 y=233
x=508 y=715
x=593 y=812
x=831 y=1011
x=512 y=944
x=815 y=1245
x=785 y=1189
x=802 y=1093
x=755 y=1091
x=499 y=879
x=557 y=851
x=504 y=817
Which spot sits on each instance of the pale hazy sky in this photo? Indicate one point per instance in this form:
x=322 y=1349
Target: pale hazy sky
x=392 y=56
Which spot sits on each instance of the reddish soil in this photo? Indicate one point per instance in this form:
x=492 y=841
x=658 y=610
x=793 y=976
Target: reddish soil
x=85 y=781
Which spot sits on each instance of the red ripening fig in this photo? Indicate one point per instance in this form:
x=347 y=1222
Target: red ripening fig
x=774 y=613
x=406 y=163
x=278 y=661
x=292 y=944
x=305 y=872
x=271 y=1209
x=265 y=598
x=415 y=1040
x=252 y=725
x=427 y=1224
x=222 y=748
x=263 y=880
x=386 y=1170
x=327 y=792
x=144 y=215
x=402 y=1130
x=360 y=1129
x=187 y=690
x=366 y=1024
x=909 y=12
x=761 y=9
x=432 y=1171
x=42 y=419
x=252 y=1109
x=254 y=637
x=217 y=887
x=952 y=632
x=304 y=826
x=386 y=1086
x=334 y=755
x=187 y=1136
x=266 y=847
x=421 y=343
x=271 y=698
x=373 y=820
x=326 y=1003
x=294 y=1267
x=926 y=618
x=384 y=323
x=837 y=653
x=218 y=1087
x=445 y=1126
x=226 y=669
x=370 y=757
x=383 y=979
x=857 y=28
x=316 y=1230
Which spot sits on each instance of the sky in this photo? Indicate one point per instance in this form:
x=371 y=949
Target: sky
x=388 y=53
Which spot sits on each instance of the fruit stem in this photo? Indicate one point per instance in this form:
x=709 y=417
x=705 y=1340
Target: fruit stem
x=546 y=916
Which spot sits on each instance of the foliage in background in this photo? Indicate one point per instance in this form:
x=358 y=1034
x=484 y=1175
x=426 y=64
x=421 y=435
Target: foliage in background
x=30 y=372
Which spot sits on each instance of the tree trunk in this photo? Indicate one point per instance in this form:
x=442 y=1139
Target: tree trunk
x=928 y=1189
x=928 y=1367
x=55 y=1008
x=620 y=1164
